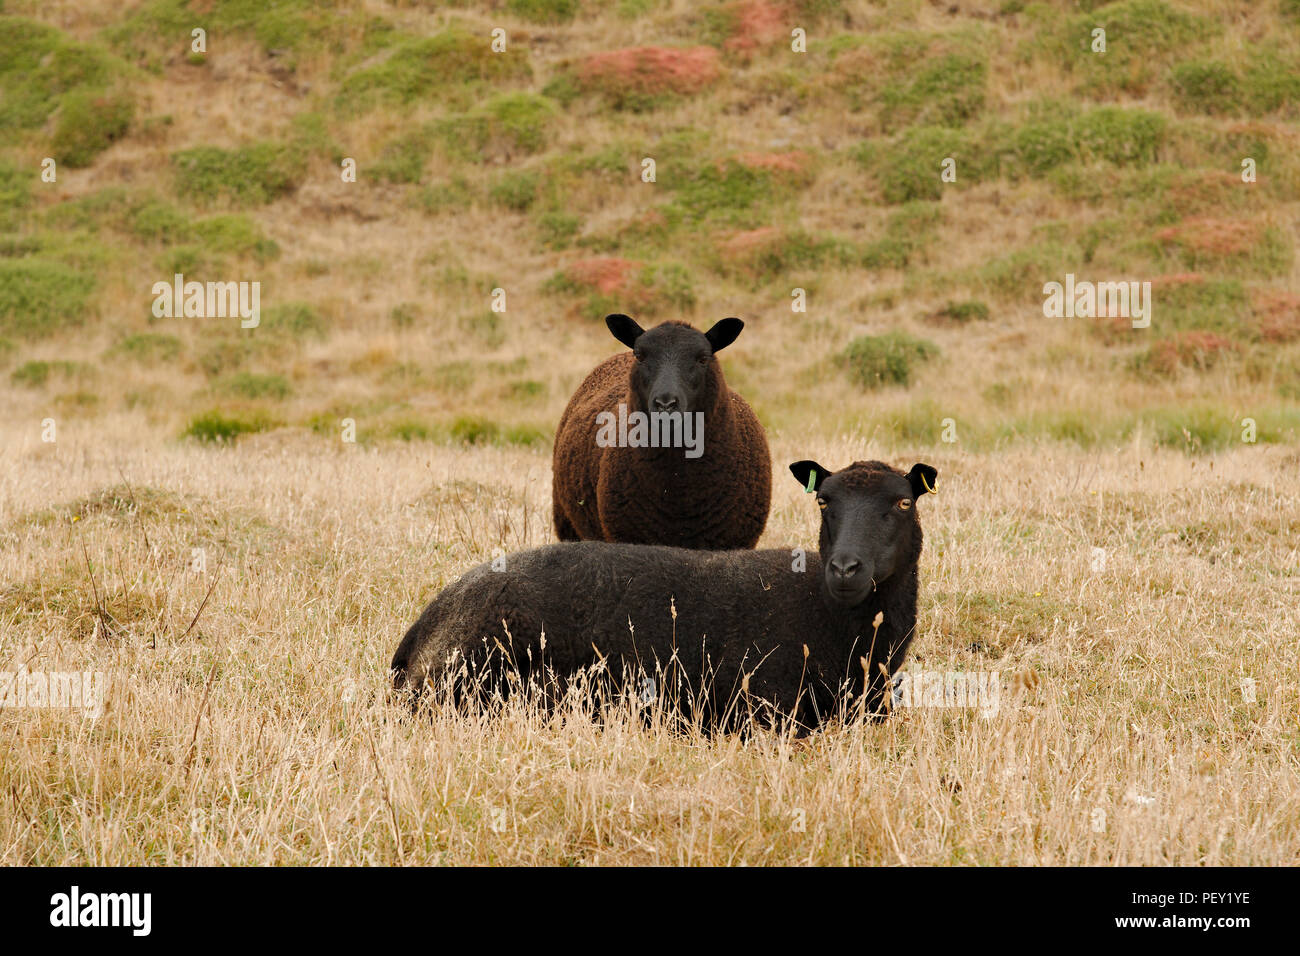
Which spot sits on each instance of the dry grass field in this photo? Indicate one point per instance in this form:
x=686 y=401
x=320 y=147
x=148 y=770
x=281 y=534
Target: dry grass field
x=1116 y=535
x=264 y=734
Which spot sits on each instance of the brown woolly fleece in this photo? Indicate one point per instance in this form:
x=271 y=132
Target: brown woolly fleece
x=718 y=501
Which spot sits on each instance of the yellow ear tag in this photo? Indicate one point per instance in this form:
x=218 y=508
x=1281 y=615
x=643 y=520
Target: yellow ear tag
x=927 y=485
x=812 y=480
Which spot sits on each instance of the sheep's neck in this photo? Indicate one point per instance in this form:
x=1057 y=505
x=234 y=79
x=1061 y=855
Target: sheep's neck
x=894 y=600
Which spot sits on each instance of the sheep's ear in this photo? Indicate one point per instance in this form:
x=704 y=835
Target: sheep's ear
x=724 y=333
x=922 y=478
x=624 y=328
x=809 y=474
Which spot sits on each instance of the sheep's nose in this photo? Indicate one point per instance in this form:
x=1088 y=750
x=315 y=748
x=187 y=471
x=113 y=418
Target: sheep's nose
x=845 y=568
x=665 y=403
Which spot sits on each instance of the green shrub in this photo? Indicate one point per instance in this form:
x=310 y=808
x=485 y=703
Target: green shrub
x=963 y=312
x=15 y=185
x=111 y=207
x=506 y=125
x=887 y=253
x=418 y=68
x=231 y=353
x=727 y=191
x=469 y=430
x=909 y=168
x=475 y=431
x=38 y=297
x=39 y=67
x=557 y=229
x=1271 y=84
x=527 y=435
x=632 y=9
x=236 y=234
x=451 y=196
x=525 y=391
x=1214 y=305
x=1117 y=135
x=516 y=190
x=216 y=426
x=947 y=90
x=1045 y=145
x=310 y=135
x=1010 y=275
x=294 y=320
x=15 y=194
x=1076 y=426
x=253 y=385
x=409 y=430
x=787 y=251
x=1194 y=428
x=1109 y=134
x=1142 y=36
x=157 y=220
x=544 y=11
x=509 y=123
x=249 y=175
x=888 y=359
x=667 y=286
x=37 y=373
x=404 y=158
x=149 y=348
x=88 y=124
x=188 y=259
x=1206 y=86
x=912 y=77
x=150 y=34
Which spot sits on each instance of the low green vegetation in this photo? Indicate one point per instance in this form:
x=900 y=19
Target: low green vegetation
x=888 y=359
x=39 y=298
x=247 y=175
x=421 y=67
x=220 y=427
x=35 y=374
x=42 y=70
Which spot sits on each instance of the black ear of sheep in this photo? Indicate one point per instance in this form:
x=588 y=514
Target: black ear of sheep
x=922 y=478
x=809 y=474
x=624 y=327
x=723 y=333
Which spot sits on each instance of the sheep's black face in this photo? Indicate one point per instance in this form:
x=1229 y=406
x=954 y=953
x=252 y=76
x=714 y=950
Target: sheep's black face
x=869 y=525
x=674 y=362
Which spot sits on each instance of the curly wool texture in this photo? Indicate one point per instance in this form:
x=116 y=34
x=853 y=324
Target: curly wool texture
x=742 y=618
x=718 y=501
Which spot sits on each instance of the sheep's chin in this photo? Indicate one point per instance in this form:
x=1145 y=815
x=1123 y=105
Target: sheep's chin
x=848 y=598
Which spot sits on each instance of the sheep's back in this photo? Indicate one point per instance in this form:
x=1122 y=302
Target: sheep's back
x=722 y=613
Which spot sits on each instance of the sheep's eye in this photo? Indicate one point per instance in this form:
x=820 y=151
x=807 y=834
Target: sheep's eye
x=702 y=360
x=821 y=503
x=904 y=504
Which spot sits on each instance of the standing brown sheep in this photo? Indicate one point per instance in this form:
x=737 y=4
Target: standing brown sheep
x=708 y=488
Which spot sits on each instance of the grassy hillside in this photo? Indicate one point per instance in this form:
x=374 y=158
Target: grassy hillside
x=775 y=170
x=247 y=722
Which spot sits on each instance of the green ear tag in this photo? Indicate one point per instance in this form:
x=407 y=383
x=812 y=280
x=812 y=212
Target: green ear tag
x=812 y=480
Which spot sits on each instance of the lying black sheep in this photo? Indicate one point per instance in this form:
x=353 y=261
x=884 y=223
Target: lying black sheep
x=717 y=636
